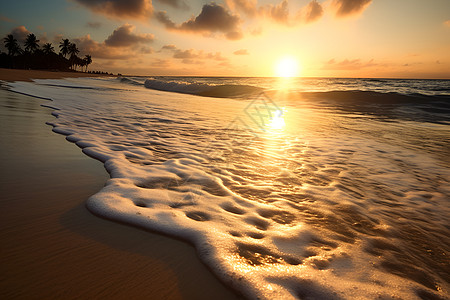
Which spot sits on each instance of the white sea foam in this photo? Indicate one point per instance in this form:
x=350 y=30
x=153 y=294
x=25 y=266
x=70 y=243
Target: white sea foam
x=323 y=205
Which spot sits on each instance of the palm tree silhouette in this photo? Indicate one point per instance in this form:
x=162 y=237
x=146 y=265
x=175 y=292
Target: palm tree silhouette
x=87 y=61
x=73 y=51
x=48 y=48
x=31 y=43
x=64 y=47
x=12 y=45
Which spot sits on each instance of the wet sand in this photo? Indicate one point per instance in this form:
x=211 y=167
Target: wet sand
x=53 y=247
x=27 y=75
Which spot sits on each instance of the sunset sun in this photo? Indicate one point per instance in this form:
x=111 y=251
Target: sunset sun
x=287 y=67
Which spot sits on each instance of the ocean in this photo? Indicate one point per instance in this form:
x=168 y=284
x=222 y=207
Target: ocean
x=289 y=188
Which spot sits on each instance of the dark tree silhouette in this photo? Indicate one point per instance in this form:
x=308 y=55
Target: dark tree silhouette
x=31 y=43
x=87 y=61
x=73 y=51
x=48 y=48
x=64 y=47
x=45 y=58
x=12 y=45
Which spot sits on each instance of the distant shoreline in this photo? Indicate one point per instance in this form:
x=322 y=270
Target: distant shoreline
x=28 y=75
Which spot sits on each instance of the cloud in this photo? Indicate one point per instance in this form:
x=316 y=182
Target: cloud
x=350 y=7
x=146 y=50
x=249 y=7
x=175 y=4
x=94 y=25
x=183 y=54
x=6 y=19
x=123 y=43
x=191 y=56
x=124 y=37
x=162 y=17
x=234 y=35
x=216 y=56
x=312 y=12
x=256 y=31
x=99 y=50
x=241 y=52
x=121 y=9
x=213 y=18
x=348 y=64
x=160 y=63
x=169 y=47
x=57 y=38
x=43 y=38
x=280 y=12
x=20 y=33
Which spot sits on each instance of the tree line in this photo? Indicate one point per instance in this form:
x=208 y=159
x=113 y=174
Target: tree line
x=35 y=57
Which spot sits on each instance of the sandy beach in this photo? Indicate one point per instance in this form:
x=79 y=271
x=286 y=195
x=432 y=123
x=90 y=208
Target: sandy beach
x=28 y=75
x=52 y=246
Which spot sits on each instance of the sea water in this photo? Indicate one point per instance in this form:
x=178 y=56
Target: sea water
x=288 y=188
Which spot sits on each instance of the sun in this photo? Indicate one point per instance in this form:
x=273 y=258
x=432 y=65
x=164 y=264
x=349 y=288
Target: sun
x=287 y=67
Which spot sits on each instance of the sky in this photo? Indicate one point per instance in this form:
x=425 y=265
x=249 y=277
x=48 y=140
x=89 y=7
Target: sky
x=332 y=38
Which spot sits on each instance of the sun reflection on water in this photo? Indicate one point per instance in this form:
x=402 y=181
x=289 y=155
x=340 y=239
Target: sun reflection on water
x=277 y=121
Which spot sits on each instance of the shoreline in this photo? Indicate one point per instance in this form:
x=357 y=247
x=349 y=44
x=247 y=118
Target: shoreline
x=54 y=247
x=29 y=75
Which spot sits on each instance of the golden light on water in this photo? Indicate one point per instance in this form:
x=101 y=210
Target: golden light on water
x=287 y=66
x=277 y=122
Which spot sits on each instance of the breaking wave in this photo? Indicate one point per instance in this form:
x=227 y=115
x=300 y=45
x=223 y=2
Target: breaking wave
x=203 y=89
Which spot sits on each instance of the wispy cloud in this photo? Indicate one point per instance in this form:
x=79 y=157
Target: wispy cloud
x=348 y=64
x=6 y=19
x=192 y=56
x=241 y=52
x=94 y=25
x=181 y=4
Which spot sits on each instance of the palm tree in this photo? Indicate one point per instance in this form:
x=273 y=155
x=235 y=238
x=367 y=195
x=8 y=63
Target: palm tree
x=12 y=45
x=87 y=61
x=80 y=62
x=64 y=47
x=73 y=51
x=31 y=43
x=48 y=48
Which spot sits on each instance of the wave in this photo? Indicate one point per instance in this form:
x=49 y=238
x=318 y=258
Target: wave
x=129 y=81
x=384 y=105
x=375 y=97
x=203 y=89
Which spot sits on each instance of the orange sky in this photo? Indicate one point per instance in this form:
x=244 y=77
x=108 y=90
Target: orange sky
x=334 y=38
